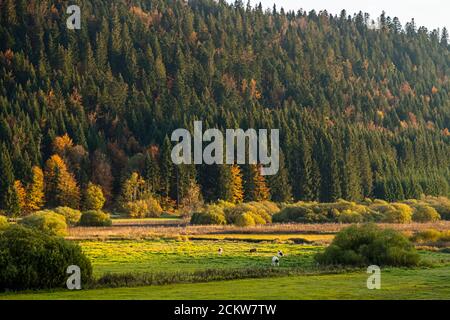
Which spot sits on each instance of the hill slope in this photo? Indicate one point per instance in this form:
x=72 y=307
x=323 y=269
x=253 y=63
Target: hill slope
x=362 y=112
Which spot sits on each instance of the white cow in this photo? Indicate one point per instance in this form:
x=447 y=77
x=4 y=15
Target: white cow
x=276 y=259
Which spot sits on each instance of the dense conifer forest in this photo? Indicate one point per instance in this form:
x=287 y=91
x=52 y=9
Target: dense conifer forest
x=363 y=109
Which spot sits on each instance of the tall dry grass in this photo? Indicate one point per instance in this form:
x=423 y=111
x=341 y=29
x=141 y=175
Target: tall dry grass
x=152 y=231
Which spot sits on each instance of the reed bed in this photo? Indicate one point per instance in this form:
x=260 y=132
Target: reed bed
x=153 y=231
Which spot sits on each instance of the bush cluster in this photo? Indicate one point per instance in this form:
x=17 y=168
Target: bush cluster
x=242 y=214
x=3 y=223
x=95 y=218
x=313 y=212
x=143 y=208
x=46 y=221
x=31 y=259
x=203 y=218
x=368 y=244
x=429 y=209
x=72 y=215
x=423 y=213
x=431 y=235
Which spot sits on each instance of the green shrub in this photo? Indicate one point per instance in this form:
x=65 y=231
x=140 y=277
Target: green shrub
x=3 y=223
x=46 y=221
x=431 y=235
x=426 y=236
x=204 y=218
x=94 y=198
x=348 y=216
x=299 y=213
x=245 y=220
x=143 y=208
x=425 y=214
x=72 y=215
x=441 y=204
x=95 y=218
x=368 y=244
x=258 y=212
x=397 y=213
x=31 y=259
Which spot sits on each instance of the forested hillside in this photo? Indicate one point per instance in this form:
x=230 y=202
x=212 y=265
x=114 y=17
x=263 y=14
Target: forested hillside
x=363 y=112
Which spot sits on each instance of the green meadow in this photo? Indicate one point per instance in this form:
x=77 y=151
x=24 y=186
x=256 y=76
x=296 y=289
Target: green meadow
x=187 y=256
x=428 y=283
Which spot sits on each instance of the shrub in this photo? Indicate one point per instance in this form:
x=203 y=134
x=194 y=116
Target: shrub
x=258 y=212
x=427 y=236
x=299 y=213
x=348 y=216
x=368 y=244
x=212 y=214
x=397 y=213
x=72 y=215
x=95 y=218
x=431 y=236
x=94 y=198
x=203 y=218
x=46 y=221
x=143 y=208
x=441 y=204
x=3 y=223
x=31 y=259
x=244 y=220
x=425 y=214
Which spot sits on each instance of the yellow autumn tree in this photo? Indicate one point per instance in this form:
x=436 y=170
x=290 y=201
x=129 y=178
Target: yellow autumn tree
x=256 y=185
x=21 y=194
x=35 y=195
x=134 y=188
x=62 y=144
x=94 y=198
x=61 y=188
x=236 y=184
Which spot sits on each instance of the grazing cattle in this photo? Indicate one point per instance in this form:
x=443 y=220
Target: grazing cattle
x=220 y=251
x=253 y=250
x=275 y=261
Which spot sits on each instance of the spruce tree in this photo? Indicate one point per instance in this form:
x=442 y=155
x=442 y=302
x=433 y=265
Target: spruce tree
x=280 y=188
x=9 y=200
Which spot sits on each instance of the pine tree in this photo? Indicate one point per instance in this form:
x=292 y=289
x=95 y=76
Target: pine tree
x=280 y=188
x=151 y=171
x=366 y=171
x=8 y=12
x=444 y=37
x=302 y=177
x=9 y=200
x=166 y=166
x=330 y=187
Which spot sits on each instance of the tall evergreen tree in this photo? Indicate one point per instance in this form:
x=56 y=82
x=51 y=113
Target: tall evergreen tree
x=9 y=200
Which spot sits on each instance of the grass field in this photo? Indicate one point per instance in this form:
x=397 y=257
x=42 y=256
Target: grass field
x=295 y=238
x=176 y=256
x=395 y=284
